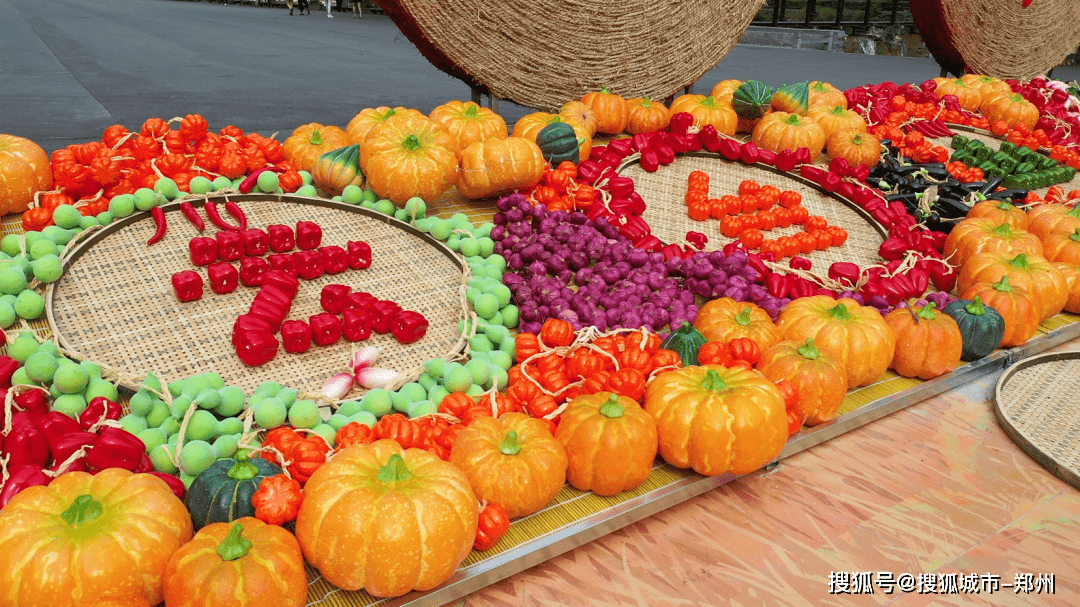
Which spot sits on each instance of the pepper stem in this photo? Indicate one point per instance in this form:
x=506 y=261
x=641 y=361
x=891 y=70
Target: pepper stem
x=840 y=312
x=743 y=318
x=809 y=350
x=316 y=137
x=713 y=381
x=235 y=545
x=976 y=307
x=411 y=143
x=394 y=471
x=509 y=444
x=242 y=470
x=612 y=408
x=83 y=509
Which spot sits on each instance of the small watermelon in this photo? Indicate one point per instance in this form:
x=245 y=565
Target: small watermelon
x=792 y=98
x=752 y=100
x=338 y=168
x=558 y=142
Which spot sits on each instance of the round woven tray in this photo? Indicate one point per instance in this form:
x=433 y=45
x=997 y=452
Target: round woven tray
x=543 y=54
x=1037 y=402
x=664 y=193
x=115 y=303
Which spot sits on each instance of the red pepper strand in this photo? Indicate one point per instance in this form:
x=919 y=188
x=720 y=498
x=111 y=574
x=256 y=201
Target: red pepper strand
x=192 y=214
x=159 y=221
x=215 y=218
x=237 y=213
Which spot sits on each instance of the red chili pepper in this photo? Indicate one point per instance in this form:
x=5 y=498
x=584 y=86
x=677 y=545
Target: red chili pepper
x=710 y=139
x=730 y=149
x=334 y=259
x=777 y=285
x=845 y=271
x=409 y=326
x=800 y=263
x=238 y=214
x=384 y=313
x=99 y=409
x=334 y=298
x=256 y=242
x=309 y=264
x=215 y=218
x=1026 y=3
x=189 y=211
x=249 y=182
x=230 y=245
x=813 y=173
x=325 y=328
x=358 y=254
x=356 y=324
x=308 y=235
x=757 y=262
x=284 y=262
x=281 y=238
x=680 y=123
x=223 y=277
x=188 y=285
x=256 y=347
x=785 y=160
x=296 y=336
x=158 y=214
x=22 y=478
x=649 y=162
x=252 y=270
x=749 y=153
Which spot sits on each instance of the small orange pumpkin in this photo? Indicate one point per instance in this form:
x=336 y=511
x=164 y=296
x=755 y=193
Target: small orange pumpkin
x=826 y=95
x=724 y=319
x=819 y=378
x=1033 y=273
x=1045 y=219
x=982 y=235
x=367 y=118
x=576 y=112
x=1071 y=272
x=610 y=442
x=1010 y=109
x=309 y=141
x=1017 y=307
x=1000 y=211
x=725 y=90
x=410 y=155
x=499 y=165
x=611 y=111
x=928 y=343
x=707 y=110
x=855 y=147
x=646 y=115
x=988 y=86
x=1061 y=246
x=779 y=131
x=836 y=118
x=969 y=96
x=24 y=170
x=468 y=122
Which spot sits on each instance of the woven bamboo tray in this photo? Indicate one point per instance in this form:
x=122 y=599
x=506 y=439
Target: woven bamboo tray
x=115 y=304
x=1037 y=403
x=664 y=192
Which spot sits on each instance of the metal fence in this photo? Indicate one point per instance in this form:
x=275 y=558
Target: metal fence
x=834 y=13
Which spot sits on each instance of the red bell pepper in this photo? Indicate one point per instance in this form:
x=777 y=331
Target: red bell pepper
x=360 y=299
x=282 y=281
x=802 y=156
x=863 y=196
x=281 y=238
x=757 y=262
x=777 y=285
x=650 y=160
x=223 y=277
x=800 y=287
x=26 y=443
x=920 y=281
x=335 y=298
x=637 y=204
x=247 y=322
x=266 y=307
x=800 y=263
x=680 y=123
x=943 y=277
x=905 y=285
x=766 y=157
x=230 y=245
x=71 y=442
x=309 y=264
x=893 y=291
x=610 y=160
x=356 y=324
x=296 y=336
x=665 y=153
x=116 y=448
x=8 y=367
x=730 y=149
x=334 y=259
x=597 y=151
x=252 y=270
x=710 y=139
x=830 y=181
x=589 y=171
x=813 y=173
x=409 y=326
x=640 y=142
x=671 y=251
x=785 y=160
x=256 y=242
x=384 y=312
x=620 y=187
x=840 y=166
x=892 y=249
x=845 y=271
x=308 y=235
x=33 y=401
x=749 y=153
x=688 y=143
x=203 y=250
x=649 y=243
x=173 y=482
x=99 y=409
x=846 y=189
x=359 y=254
x=325 y=328
x=284 y=262
x=188 y=285
x=21 y=478
x=697 y=240
x=256 y=347
x=621 y=146
x=860 y=172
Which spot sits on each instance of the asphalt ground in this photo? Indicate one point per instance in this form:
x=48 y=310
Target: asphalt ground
x=71 y=68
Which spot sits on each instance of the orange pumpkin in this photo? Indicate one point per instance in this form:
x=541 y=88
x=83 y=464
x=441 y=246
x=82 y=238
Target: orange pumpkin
x=513 y=461
x=725 y=319
x=309 y=141
x=725 y=90
x=367 y=118
x=1045 y=219
x=85 y=537
x=530 y=125
x=24 y=170
x=1010 y=109
x=835 y=119
x=855 y=335
x=611 y=111
x=242 y=563
x=1000 y=211
x=1017 y=307
x=716 y=419
x=496 y=166
x=779 y=131
x=646 y=115
x=967 y=95
x=855 y=147
x=981 y=235
x=826 y=95
x=409 y=155
x=1071 y=272
x=988 y=86
x=1033 y=273
x=928 y=343
x=819 y=378
x=707 y=110
x=131 y=600
x=387 y=520
x=576 y=112
x=610 y=442
x=468 y=122
x=1061 y=246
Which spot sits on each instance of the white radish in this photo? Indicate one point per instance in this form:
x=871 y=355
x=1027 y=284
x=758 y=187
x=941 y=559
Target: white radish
x=338 y=386
x=374 y=377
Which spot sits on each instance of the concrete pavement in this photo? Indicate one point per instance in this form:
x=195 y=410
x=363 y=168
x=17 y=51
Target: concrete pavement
x=71 y=68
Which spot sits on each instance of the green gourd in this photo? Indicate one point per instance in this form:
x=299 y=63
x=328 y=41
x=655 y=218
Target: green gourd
x=685 y=341
x=792 y=98
x=981 y=327
x=752 y=100
x=558 y=142
x=336 y=169
x=222 y=492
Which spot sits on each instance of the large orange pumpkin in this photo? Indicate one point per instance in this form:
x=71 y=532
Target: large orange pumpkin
x=1000 y=211
x=1045 y=219
x=647 y=115
x=928 y=343
x=387 y=520
x=981 y=235
x=468 y=122
x=779 y=131
x=855 y=335
x=716 y=419
x=24 y=169
x=1017 y=307
x=410 y=155
x=367 y=118
x=826 y=95
x=309 y=141
x=85 y=537
x=244 y=563
x=530 y=125
x=1033 y=273
x=818 y=376
x=513 y=461
x=855 y=147
x=968 y=95
x=611 y=111
x=725 y=319
x=497 y=166
x=708 y=110
x=1010 y=109
x=610 y=442
x=836 y=118
x=576 y=112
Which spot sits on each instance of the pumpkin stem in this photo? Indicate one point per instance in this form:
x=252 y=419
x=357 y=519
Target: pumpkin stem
x=743 y=318
x=713 y=381
x=509 y=444
x=793 y=120
x=390 y=112
x=857 y=139
x=1003 y=285
x=976 y=307
x=1002 y=229
x=235 y=545
x=612 y=408
x=838 y=110
x=472 y=110
x=1005 y=205
x=83 y=509
x=840 y=312
x=927 y=312
x=316 y=137
x=1074 y=212
x=1075 y=236
x=1020 y=261
x=646 y=102
x=242 y=470
x=708 y=101
x=394 y=471
x=411 y=143
x=603 y=89
x=809 y=350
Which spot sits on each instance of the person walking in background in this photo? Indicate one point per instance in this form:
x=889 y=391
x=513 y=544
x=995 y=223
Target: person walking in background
x=303 y=6
x=289 y=3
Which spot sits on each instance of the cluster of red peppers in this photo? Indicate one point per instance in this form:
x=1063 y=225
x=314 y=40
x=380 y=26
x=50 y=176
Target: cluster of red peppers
x=352 y=316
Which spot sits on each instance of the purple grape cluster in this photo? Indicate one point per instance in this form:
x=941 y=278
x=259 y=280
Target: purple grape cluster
x=563 y=265
x=939 y=298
